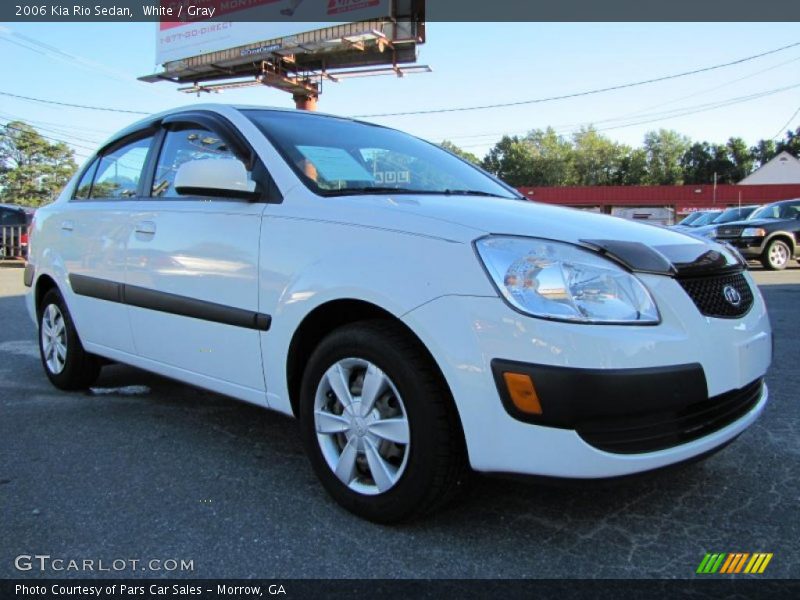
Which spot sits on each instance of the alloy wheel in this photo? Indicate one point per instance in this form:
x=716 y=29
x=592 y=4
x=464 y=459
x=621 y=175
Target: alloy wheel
x=362 y=426
x=54 y=339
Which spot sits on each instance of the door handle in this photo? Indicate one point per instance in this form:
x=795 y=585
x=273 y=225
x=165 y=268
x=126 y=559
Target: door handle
x=67 y=225
x=147 y=227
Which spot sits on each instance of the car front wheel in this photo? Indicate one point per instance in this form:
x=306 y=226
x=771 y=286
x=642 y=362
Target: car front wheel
x=66 y=363
x=776 y=255
x=379 y=425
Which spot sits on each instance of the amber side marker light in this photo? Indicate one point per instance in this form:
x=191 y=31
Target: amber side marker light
x=522 y=393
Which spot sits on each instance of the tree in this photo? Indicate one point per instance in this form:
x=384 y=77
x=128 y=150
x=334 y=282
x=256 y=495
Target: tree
x=633 y=168
x=511 y=159
x=32 y=170
x=791 y=143
x=468 y=156
x=698 y=164
x=597 y=159
x=665 y=149
x=542 y=157
x=763 y=152
x=741 y=160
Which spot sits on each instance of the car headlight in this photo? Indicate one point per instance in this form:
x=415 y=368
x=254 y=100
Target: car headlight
x=554 y=280
x=711 y=233
x=753 y=232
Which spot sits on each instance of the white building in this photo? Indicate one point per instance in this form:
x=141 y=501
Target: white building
x=784 y=168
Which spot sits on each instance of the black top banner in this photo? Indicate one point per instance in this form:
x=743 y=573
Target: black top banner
x=339 y=11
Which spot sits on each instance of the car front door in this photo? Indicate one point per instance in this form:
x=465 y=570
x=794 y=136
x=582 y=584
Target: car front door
x=192 y=272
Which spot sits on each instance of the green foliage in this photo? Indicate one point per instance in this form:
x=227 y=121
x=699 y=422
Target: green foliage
x=791 y=143
x=32 y=170
x=468 y=156
x=544 y=158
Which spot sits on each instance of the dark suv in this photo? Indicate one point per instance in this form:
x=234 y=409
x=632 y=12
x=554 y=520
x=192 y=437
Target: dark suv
x=14 y=222
x=771 y=234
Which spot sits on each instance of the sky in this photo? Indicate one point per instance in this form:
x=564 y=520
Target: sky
x=473 y=64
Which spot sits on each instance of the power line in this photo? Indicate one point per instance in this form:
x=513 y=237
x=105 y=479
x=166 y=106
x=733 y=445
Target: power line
x=641 y=112
x=7 y=126
x=789 y=122
x=86 y=106
x=675 y=113
x=50 y=51
x=583 y=93
x=37 y=126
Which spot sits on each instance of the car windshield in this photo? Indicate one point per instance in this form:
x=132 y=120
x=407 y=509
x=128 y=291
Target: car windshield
x=777 y=211
x=705 y=218
x=733 y=214
x=334 y=157
x=688 y=220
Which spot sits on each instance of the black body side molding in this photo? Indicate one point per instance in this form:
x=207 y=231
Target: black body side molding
x=184 y=306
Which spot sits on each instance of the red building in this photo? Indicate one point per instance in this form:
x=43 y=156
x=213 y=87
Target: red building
x=663 y=203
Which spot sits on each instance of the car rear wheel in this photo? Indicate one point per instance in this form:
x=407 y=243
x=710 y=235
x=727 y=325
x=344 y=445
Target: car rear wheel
x=776 y=255
x=66 y=363
x=379 y=424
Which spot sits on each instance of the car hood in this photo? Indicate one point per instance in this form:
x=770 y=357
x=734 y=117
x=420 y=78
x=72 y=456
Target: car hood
x=755 y=222
x=489 y=215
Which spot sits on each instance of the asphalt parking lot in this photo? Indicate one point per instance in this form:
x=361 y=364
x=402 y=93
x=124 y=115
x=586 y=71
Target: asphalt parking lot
x=165 y=471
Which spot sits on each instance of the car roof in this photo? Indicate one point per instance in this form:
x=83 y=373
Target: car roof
x=221 y=109
x=781 y=202
x=14 y=207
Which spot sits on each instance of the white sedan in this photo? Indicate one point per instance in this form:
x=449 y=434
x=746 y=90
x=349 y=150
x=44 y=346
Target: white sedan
x=417 y=315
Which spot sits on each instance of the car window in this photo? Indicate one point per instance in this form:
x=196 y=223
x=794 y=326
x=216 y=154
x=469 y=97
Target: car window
x=690 y=219
x=705 y=218
x=119 y=172
x=789 y=211
x=85 y=184
x=179 y=147
x=12 y=217
x=776 y=211
x=732 y=214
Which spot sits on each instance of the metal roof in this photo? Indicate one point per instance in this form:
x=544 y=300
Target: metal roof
x=679 y=196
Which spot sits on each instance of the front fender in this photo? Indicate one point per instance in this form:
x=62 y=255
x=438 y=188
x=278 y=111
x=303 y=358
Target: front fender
x=305 y=264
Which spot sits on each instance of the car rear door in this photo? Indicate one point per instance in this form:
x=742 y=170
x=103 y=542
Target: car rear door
x=91 y=235
x=192 y=269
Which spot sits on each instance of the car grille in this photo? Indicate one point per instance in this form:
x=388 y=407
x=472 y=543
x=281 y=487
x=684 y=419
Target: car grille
x=729 y=232
x=709 y=295
x=648 y=433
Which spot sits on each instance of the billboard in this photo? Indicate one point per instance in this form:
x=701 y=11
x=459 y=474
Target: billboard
x=197 y=27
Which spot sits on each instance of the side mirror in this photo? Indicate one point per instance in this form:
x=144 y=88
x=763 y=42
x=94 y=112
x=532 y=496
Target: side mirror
x=219 y=178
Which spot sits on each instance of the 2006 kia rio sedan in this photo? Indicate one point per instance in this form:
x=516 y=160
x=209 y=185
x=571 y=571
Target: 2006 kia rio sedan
x=417 y=315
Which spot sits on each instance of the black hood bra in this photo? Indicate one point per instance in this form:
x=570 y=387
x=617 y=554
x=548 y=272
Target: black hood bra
x=674 y=260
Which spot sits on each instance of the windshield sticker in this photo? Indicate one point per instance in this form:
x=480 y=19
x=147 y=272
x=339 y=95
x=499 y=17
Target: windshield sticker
x=335 y=164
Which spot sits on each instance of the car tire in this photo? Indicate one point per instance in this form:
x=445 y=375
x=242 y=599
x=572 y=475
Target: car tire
x=776 y=255
x=67 y=365
x=381 y=478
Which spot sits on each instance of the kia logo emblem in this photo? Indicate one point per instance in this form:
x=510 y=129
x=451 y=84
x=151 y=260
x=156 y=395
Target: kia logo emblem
x=732 y=295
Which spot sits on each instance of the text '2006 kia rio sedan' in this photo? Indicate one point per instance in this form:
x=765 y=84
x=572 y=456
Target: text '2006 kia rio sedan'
x=417 y=315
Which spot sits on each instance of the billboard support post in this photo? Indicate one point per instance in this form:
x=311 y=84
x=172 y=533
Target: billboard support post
x=306 y=101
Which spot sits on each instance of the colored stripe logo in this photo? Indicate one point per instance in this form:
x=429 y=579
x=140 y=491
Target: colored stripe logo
x=734 y=562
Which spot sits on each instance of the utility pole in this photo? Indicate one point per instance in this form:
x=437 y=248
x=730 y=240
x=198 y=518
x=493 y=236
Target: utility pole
x=714 y=201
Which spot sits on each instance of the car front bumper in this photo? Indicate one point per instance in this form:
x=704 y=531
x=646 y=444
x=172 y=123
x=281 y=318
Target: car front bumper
x=749 y=247
x=466 y=334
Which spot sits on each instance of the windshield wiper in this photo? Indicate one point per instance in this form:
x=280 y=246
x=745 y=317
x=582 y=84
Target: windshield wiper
x=470 y=193
x=372 y=190
x=392 y=190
